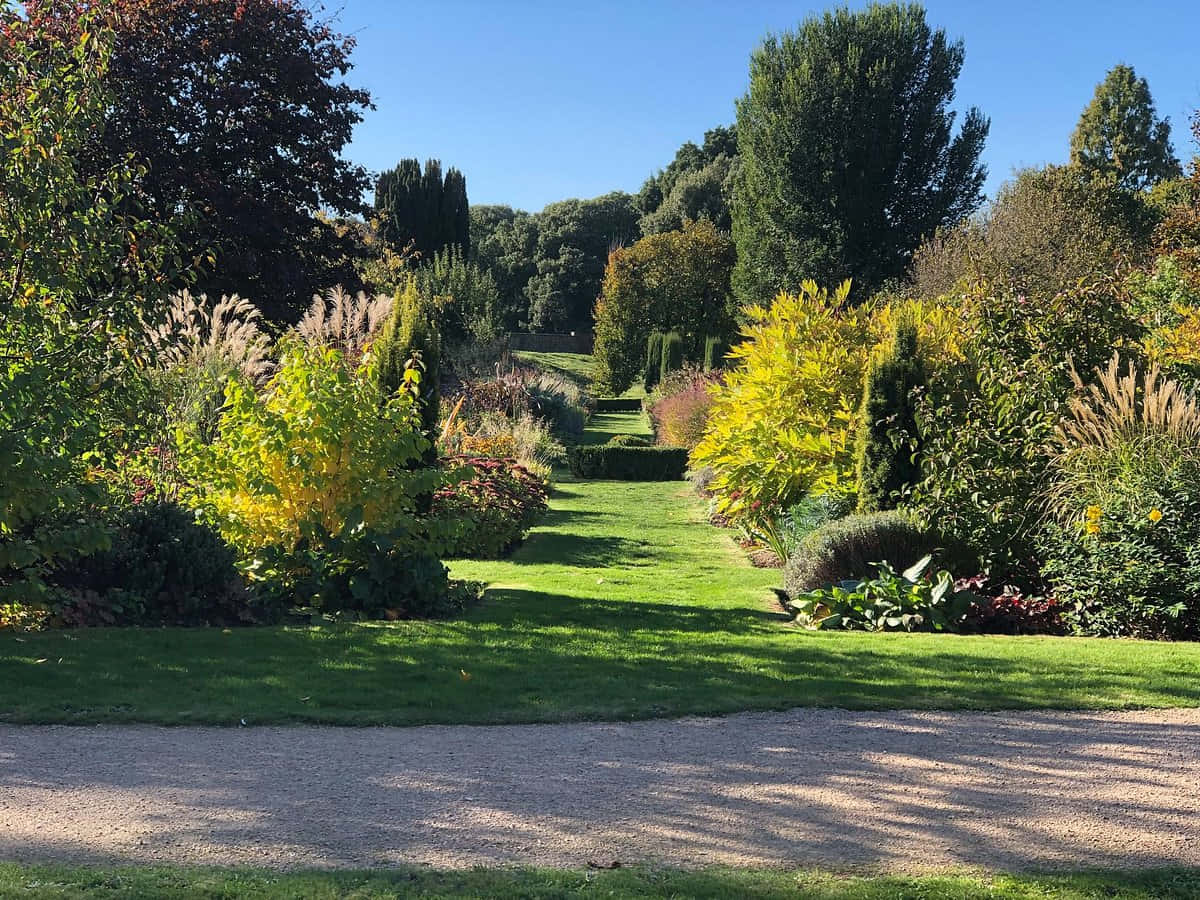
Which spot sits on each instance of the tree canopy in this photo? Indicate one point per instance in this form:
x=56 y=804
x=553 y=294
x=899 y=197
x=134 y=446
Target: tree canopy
x=848 y=156
x=238 y=113
x=423 y=207
x=676 y=281
x=1120 y=136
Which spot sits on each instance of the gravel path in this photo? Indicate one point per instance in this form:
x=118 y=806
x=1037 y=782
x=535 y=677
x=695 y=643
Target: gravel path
x=892 y=790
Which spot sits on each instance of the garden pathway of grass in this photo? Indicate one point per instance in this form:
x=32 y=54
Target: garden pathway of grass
x=622 y=604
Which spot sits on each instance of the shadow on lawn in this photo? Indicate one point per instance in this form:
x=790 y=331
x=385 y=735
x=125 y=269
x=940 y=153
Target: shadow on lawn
x=583 y=610
x=568 y=550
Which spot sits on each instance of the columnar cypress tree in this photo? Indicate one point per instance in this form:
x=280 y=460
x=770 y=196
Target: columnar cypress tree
x=423 y=206
x=654 y=357
x=888 y=440
x=672 y=354
x=715 y=349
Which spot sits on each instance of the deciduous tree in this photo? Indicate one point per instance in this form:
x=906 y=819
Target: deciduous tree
x=848 y=156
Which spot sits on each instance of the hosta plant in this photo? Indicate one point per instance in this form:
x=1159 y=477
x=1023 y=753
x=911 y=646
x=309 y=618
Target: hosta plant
x=912 y=600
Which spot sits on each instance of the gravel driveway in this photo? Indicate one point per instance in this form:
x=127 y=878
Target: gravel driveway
x=895 y=790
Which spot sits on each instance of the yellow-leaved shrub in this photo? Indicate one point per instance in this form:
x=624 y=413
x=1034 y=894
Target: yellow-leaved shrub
x=319 y=447
x=782 y=424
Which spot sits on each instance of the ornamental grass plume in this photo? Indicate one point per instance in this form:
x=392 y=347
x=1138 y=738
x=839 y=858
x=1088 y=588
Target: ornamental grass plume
x=1124 y=431
x=195 y=334
x=344 y=322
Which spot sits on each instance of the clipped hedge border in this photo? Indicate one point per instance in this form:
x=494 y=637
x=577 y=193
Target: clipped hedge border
x=618 y=404
x=620 y=463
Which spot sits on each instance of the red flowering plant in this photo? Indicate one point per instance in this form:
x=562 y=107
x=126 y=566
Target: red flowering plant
x=489 y=510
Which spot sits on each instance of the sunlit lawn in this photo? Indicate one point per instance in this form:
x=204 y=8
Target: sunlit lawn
x=622 y=604
x=729 y=884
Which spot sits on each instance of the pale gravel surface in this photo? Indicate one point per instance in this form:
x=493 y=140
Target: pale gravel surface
x=889 y=790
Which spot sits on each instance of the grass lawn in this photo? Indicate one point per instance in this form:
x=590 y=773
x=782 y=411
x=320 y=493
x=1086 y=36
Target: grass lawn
x=622 y=604
x=759 y=884
x=578 y=366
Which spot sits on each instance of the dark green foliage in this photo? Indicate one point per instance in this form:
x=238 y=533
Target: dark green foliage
x=1119 y=136
x=696 y=185
x=549 y=265
x=715 y=349
x=574 y=238
x=847 y=157
x=360 y=574
x=672 y=354
x=423 y=207
x=504 y=242
x=629 y=440
x=849 y=548
x=654 y=357
x=628 y=463
x=1046 y=231
x=618 y=404
x=239 y=115
x=410 y=337
x=162 y=568
x=888 y=442
x=466 y=295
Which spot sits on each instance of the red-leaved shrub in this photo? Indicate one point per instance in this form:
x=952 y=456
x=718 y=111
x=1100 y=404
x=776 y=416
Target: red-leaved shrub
x=679 y=408
x=489 y=512
x=1010 y=611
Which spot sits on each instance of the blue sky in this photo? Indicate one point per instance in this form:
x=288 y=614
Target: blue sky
x=537 y=101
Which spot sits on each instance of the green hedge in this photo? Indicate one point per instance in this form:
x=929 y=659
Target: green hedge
x=618 y=404
x=629 y=463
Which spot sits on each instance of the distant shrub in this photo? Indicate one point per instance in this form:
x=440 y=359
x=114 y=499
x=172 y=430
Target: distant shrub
x=625 y=463
x=1046 y=231
x=679 y=408
x=560 y=402
x=523 y=437
x=675 y=281
x=162 y=567
x=549 y=397
x=628 y=440
x=489 y=511
x=654 y=355
x=849 y=548
x=672 y=354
